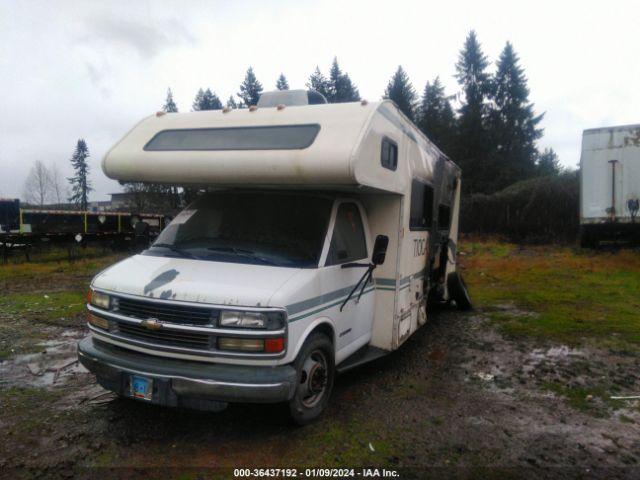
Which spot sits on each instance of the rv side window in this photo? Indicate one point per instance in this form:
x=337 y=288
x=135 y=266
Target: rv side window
x=389 y=154
x=271 y=137
x=421 y=213
x=347 y=242
x=444 y=217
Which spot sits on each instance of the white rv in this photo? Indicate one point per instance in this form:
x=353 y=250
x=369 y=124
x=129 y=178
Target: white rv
x=323 y=232
x=610 y=184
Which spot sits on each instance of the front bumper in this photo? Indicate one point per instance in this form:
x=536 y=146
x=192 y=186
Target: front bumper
x=182 y=383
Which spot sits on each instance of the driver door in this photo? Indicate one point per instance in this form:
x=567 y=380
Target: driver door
x=348 y=244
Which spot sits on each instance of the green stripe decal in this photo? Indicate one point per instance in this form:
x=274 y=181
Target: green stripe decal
x=337 y=296
x=299 y=317
x=403 y=281
x=298 y=307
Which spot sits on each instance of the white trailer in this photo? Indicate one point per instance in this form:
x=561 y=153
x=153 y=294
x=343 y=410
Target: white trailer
x=609 y=184
x=325 y=230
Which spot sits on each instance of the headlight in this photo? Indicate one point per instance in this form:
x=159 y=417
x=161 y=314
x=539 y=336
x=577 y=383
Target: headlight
x=243 y=319
x=99 y=299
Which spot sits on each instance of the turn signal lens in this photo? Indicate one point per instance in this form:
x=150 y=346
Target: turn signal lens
x=274 y=345
x=98 y=322
x=241 y=344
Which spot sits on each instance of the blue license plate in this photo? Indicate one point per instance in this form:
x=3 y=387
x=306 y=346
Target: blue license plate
x=141 y=387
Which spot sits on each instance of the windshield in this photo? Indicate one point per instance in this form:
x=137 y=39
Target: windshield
x=265 y=229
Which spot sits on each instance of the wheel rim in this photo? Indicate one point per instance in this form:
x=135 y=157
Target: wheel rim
x=313 y=378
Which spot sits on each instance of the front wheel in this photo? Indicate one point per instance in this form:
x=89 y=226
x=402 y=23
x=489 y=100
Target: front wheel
x=315 y=367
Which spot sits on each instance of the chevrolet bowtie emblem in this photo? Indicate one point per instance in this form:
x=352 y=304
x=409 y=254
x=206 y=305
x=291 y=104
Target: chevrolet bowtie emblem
x=151 y=324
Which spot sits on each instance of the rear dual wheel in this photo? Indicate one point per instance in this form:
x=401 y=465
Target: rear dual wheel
x=458 y=291
x=315 y=367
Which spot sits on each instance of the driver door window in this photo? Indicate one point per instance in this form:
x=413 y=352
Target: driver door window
x=348 y=242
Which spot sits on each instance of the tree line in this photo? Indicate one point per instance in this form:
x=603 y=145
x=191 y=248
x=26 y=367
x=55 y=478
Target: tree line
x=489 y=127
x=337 y=87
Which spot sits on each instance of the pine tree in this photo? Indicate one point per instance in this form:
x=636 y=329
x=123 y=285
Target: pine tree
x=473 y=144
x=548 y=163
x=212 y=100
x=80 y=184
x=319 y=83
x=169 y=105
x=338 y=88
x=435 y=116
x=197 y=102
x=335 y=75
x=341 y=87
x=514 y=125
x=282 y=83
x=348 y=92
x=206 y=100
x=402 y=92
x=231 y=103
x=250 y=89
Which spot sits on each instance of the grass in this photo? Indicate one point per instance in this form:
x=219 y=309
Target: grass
x=572 y=295
x=54 y=267
x=28 y=319
x=55 y=299
x=594 y=400
x=346 y=443
x=44 y=307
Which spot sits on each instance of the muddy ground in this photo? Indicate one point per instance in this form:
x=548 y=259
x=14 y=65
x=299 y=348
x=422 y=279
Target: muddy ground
x=457 y=400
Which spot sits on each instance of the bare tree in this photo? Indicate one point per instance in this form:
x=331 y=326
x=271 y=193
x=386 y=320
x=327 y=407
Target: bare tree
x=59 y=190
x=37 y=187
x=138 y=196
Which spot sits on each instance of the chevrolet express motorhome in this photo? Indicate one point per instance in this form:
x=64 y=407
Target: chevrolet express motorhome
x=324 y=230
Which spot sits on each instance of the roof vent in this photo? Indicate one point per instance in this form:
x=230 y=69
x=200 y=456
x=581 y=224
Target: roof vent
x=290 y=98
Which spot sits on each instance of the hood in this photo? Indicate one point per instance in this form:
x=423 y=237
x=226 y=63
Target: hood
x=195 y=280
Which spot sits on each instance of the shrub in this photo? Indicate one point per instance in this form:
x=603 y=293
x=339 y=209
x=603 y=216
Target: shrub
x=539 y=210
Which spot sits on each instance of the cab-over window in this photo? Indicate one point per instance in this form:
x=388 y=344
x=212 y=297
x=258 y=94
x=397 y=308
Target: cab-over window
x=348 y=242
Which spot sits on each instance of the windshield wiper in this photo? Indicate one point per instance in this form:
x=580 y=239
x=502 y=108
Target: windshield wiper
x=179 y=251
x=243 y=253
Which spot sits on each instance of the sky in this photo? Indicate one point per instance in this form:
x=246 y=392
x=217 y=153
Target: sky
x=77 y=69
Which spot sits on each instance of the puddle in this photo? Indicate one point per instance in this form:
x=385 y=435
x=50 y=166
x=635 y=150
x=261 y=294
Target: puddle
x=55 y=364
x=555 y=354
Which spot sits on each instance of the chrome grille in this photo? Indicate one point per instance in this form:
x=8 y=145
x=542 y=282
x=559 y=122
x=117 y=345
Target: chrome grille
x=166 y=337
x=166 y=312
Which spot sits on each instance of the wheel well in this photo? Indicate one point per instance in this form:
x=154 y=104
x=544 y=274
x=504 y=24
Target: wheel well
x=325 y=328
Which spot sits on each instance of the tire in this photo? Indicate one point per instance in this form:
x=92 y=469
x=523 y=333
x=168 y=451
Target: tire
x=315 y=367
x=458 y=291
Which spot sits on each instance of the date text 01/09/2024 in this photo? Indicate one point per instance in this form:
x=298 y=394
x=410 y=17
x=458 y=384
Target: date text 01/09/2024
x=314 y=473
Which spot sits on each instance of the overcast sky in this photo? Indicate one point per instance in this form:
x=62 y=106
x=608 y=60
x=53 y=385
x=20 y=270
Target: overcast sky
x=90 y=70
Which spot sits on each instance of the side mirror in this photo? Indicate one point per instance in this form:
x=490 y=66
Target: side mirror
x=380 y=250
